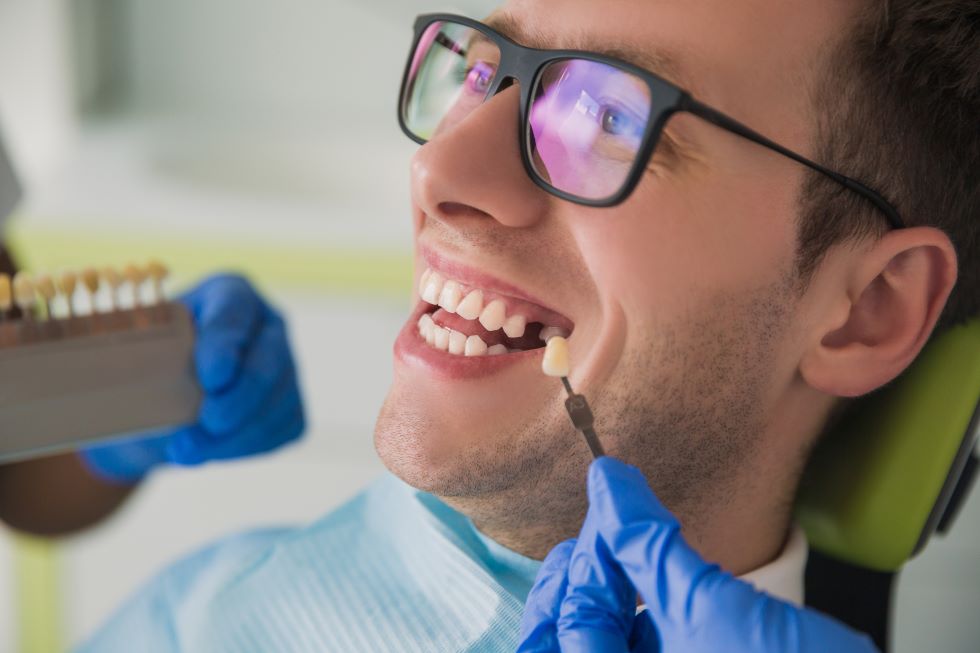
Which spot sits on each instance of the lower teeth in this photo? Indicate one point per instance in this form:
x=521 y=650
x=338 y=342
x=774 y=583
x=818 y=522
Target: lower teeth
x=457 y=343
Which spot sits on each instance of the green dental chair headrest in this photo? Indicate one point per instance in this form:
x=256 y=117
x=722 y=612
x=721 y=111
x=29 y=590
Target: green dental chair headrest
x=881 y=482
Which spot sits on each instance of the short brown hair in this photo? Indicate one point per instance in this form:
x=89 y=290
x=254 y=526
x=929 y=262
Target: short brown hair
x=898 y=107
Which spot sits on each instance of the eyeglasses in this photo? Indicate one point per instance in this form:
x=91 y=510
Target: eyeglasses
x=589 y=123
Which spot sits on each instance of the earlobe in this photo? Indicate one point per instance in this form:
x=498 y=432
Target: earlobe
x=887 y=305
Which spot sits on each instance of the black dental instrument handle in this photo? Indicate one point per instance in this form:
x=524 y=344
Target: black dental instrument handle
x=582 y=419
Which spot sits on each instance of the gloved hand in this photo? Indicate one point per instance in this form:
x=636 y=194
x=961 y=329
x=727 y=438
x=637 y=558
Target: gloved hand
x=252 y=400
x=584 y=598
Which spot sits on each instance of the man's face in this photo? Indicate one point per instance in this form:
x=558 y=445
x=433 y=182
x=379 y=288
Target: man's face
x=680 y=301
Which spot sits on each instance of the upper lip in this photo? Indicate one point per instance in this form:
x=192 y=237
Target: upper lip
x=471 y=276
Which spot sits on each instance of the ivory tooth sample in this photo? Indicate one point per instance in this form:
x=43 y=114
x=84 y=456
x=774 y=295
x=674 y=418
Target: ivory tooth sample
x=157 y=272
x=24 y=293
x=90 y=279
x=555 y=362
x=113 y=280
x=67 y=282
x=135 y=276
x=45 y=288
x=6 y=295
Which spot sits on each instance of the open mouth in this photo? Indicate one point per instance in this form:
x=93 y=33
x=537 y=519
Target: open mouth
x=462 y=320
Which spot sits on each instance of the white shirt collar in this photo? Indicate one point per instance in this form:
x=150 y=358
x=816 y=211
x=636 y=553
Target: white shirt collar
x=783 y=577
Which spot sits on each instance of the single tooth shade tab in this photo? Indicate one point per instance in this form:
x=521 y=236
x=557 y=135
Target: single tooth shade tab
x=550 y=332
x=90 y=279
x=6 y=293
x=157 y=271
x=497 y=350
x=432 y=288
x=23 y=290
x=457 y=343
x=450 y=296
x=555 y=362
x=134 y=274
x=475 y=346
x=112 y=277
x=471 y=306
x=66 y=284
x=45 y=287
x=493 y=316
x=515 y=325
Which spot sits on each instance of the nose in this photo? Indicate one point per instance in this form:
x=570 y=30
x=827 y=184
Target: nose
x=473 y=169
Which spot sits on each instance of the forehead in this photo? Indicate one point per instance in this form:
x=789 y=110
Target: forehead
x=738 y=54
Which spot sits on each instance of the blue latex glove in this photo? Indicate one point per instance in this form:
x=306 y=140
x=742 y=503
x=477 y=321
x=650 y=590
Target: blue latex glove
x=584 y=598
x=252 y=401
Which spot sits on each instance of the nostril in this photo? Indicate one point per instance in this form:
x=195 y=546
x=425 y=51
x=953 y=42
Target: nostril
x=457 y=209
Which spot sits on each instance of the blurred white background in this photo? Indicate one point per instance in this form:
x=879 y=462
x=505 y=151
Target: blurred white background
x=222 y=130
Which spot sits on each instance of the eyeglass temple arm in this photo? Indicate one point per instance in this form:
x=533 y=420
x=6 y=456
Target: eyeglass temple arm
x=719 y=119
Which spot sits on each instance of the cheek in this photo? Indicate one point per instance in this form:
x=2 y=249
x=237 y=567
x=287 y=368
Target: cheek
x=664 y=248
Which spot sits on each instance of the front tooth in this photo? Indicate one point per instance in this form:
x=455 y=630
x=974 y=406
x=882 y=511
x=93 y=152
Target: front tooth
x=425 y=324
x=493 y=316
x=432 y=288
x=550 y=332
x=450 y=296
x=457 y=343
x=424 y=280
x=515 y=325
x=475 y=346
x=496 y=350
x=471 y=307
x=441 y=338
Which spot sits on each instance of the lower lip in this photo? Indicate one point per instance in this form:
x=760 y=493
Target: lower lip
x=412 y=349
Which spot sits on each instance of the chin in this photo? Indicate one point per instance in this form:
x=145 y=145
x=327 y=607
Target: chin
x=454 y=444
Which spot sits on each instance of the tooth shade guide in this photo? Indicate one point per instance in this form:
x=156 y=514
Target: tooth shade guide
x=72 y=381
x=556 y=361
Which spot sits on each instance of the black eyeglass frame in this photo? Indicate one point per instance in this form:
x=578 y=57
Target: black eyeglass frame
x=524 y=65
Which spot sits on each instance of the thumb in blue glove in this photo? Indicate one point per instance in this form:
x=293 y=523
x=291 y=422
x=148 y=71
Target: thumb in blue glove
x=630 y=539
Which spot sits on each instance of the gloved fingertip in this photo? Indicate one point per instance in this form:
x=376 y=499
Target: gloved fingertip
x=217 y=365
x=184 y=449
x=217 y=418
x=618 y=487
x=560 y=555
x=591 y=638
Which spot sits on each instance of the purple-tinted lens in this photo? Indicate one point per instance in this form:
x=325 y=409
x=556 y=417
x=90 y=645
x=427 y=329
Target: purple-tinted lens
x=450 y=74
x=587 y=123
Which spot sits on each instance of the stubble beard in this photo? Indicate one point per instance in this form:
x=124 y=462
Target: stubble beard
x=686 y=405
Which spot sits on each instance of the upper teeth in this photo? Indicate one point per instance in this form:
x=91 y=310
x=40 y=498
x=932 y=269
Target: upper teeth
x=448 y=294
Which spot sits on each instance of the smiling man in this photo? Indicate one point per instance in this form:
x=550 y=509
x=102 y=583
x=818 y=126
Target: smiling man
x=739 y=212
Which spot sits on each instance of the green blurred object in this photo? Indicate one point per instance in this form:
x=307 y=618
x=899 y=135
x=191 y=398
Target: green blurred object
x=37 y=595
x=344 y=271
x=880 y=483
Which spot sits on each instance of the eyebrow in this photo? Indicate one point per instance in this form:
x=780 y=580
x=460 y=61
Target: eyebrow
x=659 y=62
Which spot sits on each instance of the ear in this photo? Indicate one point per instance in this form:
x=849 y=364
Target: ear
x=886 y=304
